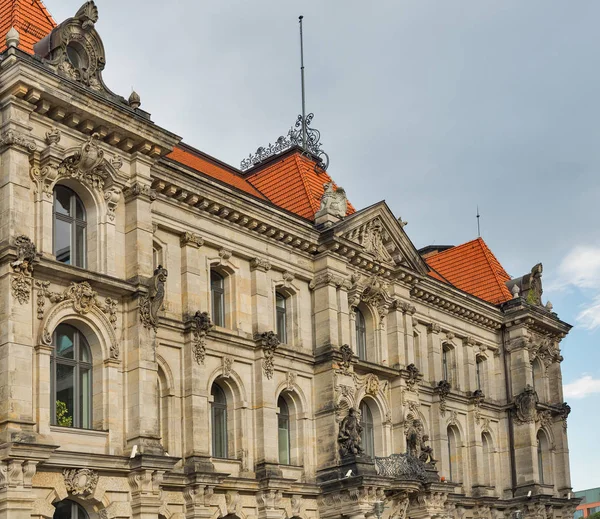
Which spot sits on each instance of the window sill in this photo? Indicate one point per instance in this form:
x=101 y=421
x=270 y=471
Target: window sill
x=78 y=431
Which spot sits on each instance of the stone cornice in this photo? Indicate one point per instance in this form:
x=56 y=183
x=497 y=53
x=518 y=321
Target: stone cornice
x=459 y=305
x=237 y=213
x=86 y=109
x=519 y=313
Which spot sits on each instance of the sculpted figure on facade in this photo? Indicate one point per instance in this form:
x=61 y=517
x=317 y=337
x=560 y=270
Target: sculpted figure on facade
x=333 y=202
x=21 y=282
x=349 y=436
x=151 y=303
x=525 y=405
x=269 y=343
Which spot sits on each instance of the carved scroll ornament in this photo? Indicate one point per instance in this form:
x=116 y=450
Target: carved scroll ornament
x=202 y=325
x=269 y=343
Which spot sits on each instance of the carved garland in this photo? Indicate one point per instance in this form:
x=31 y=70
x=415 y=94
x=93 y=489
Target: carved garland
x=202 y=325
x=151 y=303
x=269 y=343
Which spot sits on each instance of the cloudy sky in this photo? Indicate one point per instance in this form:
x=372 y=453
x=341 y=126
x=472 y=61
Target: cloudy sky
x=435 y=106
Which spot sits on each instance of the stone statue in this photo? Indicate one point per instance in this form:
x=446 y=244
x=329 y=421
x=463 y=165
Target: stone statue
x=414 y=438
x=349 y=435
x=333 y=202
x=426 y=455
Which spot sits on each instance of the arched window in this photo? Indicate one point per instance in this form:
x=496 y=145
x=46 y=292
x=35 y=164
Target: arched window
x=217 y=292
x=69 y=510
x=368 y=434
x=361 y=335
x=283 y=428
x=488 y=464
x=543 y=455
x=219 y=422
x=281 y=316
x=454 y=455
x=71 y=368
x=69 y=227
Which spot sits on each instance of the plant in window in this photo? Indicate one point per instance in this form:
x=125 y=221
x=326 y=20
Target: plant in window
x=63 y=417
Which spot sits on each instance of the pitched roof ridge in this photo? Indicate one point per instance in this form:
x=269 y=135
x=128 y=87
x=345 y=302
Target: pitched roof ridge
x=45 y=11
x=306 y=186
x=491 y=259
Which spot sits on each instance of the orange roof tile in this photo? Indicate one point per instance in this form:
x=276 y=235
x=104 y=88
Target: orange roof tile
x=29 y=17
x=203 y=164
x=473 y=268
x=292 y=183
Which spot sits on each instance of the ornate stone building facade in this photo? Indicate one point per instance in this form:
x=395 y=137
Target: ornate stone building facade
x=178 y=340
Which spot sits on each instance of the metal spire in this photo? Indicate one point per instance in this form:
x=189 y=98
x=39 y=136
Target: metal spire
x=478 y=228
x=302 y=80
x=301 y=134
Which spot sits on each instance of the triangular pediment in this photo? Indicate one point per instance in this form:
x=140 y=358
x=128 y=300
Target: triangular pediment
x=379 y=235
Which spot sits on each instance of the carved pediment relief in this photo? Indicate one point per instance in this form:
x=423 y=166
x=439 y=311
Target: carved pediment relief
x=74 y=48
x=379 y=239
x=373 y=237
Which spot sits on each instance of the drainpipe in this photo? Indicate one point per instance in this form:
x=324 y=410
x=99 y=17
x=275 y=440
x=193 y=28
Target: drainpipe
x=511 y=435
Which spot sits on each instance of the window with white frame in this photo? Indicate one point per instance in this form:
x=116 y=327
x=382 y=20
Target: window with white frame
x=69 y=227
x=217 y=295
x=281 y=317
x=71 y=378
x=283 y=431
x=368 y=432
x=361 y=335
x=218 y=422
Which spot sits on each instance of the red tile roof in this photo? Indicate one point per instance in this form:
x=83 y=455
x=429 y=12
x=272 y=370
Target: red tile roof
x=293 y=184
x=29 y=17
x=473 y=268
x=203 y=164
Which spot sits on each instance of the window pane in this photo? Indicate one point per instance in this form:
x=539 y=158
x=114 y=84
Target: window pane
x=79 y=246
x=65 y=339
x=62 y=200
x=281 y=324
x=65 y=392
x=85 y=398
x=280 y=301
x=218 y=307
x=84 y=351
x=62 y=241
x=79 y=209
x=64 y=510
x=216 y=280
x=219 y=432
x=284 y=439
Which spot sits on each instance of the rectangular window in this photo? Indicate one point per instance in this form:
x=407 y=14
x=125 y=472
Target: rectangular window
x=62 y=241
x=65 y=394
x=85 y=399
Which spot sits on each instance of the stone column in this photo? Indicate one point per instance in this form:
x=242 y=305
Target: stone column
x=261 y=297
x=434 y=352
x=191 y=274
x=142 y=318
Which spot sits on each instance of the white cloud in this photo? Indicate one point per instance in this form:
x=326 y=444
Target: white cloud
x=585 y=386
x=581 y=269
x=589 y=318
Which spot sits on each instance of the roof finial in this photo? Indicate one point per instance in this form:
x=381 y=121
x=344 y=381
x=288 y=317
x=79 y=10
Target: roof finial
x=478 y=228
x=12 y=38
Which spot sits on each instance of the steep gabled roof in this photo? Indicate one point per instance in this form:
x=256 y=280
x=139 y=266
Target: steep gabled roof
x=472 y=268
x=29 y=17
x=292 y=183
x=211 y=167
